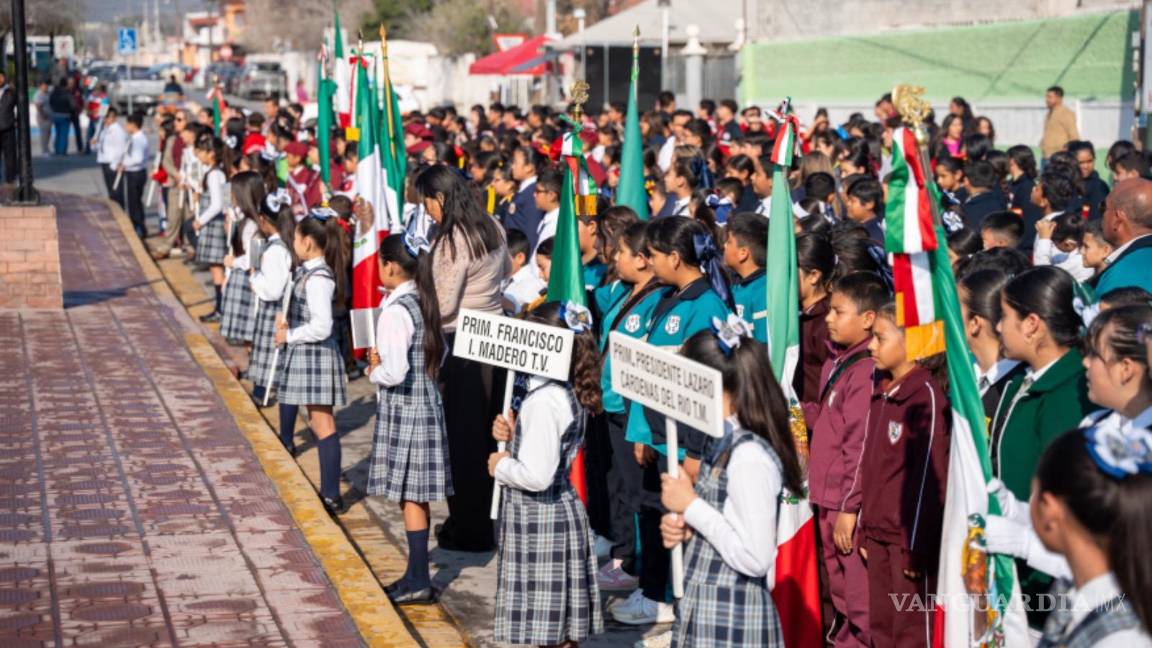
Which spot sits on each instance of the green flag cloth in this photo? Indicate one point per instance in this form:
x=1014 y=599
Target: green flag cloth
x=631 y=192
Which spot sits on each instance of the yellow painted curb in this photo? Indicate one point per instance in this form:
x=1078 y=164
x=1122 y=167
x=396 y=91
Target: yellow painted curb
x=357 y=587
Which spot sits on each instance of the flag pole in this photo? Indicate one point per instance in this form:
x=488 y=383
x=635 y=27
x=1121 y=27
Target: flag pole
x=387 y=87
x=914 y=110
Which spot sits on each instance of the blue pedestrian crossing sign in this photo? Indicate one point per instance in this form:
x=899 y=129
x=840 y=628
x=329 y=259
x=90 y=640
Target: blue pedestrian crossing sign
x=126 y=40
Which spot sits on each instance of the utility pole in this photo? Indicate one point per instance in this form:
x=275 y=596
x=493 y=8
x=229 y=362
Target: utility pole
x=26 y=194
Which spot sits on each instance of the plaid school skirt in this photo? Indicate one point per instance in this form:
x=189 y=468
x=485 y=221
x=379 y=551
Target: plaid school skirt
x=264 y=343
x=313 y=374
x=237 y=322
x=409 y=459
x=546 y=590
x=212 y=244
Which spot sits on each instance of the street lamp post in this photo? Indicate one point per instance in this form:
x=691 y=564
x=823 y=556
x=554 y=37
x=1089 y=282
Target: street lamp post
x=26 y=194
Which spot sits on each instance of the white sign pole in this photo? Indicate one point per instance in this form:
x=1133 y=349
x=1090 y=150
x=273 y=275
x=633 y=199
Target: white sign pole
x=284 y=301
x=509 y=382
x=682 y=390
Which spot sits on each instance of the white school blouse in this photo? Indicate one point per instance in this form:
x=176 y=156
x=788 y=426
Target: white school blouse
x=544 y=419
x=247 y=233
x=217 y=185
x=394 y=333
x=275 y=269
x=744 y=533
x=318 y=290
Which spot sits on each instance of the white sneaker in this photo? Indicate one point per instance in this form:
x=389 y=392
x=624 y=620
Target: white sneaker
x=610 y=578
x=644 y=612
x=662 y=640
x=602 y=546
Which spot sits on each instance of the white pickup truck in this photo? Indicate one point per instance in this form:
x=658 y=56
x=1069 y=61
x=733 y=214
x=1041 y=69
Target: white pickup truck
x=135 y=87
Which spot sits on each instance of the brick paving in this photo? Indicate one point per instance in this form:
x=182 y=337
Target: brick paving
x=132 y=509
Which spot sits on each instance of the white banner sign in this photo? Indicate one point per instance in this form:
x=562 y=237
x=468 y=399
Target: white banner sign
x=670 y=384
x=513 y=344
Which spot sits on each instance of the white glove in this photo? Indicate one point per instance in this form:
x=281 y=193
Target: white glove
x=1010 y=507
x=1011 y=538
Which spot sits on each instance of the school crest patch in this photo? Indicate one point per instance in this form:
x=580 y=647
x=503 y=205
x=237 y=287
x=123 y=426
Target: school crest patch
x=673 y=325
x=512 y=208
x=632 y=324
x=895 y=429
x=740 y=310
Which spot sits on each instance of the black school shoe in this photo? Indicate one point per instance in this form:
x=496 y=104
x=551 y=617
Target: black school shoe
x=424 y=596
x=214 y=316
x=334 y=505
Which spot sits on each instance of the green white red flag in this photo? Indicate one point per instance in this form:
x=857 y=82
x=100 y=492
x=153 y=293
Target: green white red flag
x=372 y=188
x=796 y=591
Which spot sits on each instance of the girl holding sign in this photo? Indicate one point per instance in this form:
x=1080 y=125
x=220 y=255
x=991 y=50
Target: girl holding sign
x=684 y=257
x=313 y=373
x=728 y=519
x=271 y=270
x=409 y=462
x=546 y=569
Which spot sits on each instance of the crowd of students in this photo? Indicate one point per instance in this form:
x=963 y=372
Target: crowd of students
x=1052 y=269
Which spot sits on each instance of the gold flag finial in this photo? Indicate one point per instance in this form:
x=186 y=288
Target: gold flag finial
x=383 y=40
x=579 y=98
x=913 y=108
x=636 y=41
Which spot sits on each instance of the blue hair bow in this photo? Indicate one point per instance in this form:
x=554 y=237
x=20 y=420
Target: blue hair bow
x=730 y=332
x=709 y=259
x=704 y=177
x=1118 y=452
x=576 y=317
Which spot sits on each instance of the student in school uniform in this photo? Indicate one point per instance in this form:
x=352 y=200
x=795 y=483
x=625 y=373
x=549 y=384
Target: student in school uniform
x=271 y=271
x=627 y=311
x=684 y=257
x=409 y=462
x=681 y=181
x=728 y=519
x=745 y=253
x=303 y=183
x=546 y=590
x=212 y=241
x=816 y=260
x=1039 y=326
x=546 y=190
x=134 y=166
x=592 y=264
x=979 y=294
x=313 y=374
x=525 y=284
x=237 y=322
x=837 y=446
x=902 y=498
x=523 y=214
x=865 y=205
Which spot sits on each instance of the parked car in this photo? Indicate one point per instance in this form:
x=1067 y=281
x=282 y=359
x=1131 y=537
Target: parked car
x=263 y=79
x=135 y=86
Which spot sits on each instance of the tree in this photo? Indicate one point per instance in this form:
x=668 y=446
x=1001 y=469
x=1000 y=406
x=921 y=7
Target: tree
x=296 y=24
x=461 y=26
x=396 y=15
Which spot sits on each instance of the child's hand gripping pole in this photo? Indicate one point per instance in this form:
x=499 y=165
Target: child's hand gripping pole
x=284 y=301
x=494 y=512
x=674 y=471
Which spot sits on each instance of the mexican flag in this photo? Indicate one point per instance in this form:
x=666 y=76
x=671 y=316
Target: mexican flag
x=632 y=192
x=978 y=601
x=342 y=72
x=324 y=91
x=372 y=187
x=566 y=282
x=796 y=591
x=393 y=153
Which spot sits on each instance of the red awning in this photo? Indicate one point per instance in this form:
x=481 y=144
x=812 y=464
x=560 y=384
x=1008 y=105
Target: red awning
x=512 y=61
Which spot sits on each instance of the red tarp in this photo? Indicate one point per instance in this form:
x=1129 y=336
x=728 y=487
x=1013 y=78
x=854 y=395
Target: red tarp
x=506 y=62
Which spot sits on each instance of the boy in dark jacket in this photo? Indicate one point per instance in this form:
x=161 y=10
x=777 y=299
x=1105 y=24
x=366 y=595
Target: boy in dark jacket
x=837 y=447
x=906 y=460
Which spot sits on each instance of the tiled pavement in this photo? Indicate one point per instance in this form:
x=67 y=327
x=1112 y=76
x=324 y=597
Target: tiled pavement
x=132 y=509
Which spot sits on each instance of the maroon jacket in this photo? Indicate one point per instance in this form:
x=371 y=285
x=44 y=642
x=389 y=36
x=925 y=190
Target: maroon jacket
x=906 y=463
x=837 y=422
x=813 y=351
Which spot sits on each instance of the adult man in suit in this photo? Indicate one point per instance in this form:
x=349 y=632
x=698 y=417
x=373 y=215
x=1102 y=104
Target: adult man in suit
x=8 y=128
x=524 y=215
x=1128 y=227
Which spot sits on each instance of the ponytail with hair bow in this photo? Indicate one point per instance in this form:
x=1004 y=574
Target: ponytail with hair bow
x=703 y=175
x=709 y=258
x=882 y=267
x=278 y=200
